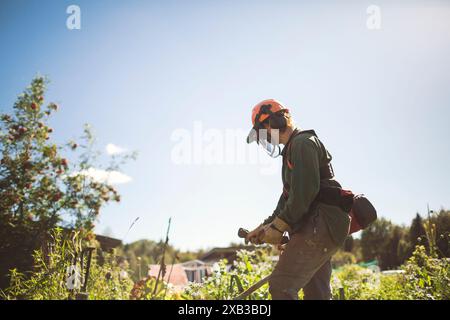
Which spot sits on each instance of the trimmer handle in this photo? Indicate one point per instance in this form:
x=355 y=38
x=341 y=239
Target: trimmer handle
x=242 y=233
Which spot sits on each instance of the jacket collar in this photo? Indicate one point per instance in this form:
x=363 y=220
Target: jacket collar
x=295 y=133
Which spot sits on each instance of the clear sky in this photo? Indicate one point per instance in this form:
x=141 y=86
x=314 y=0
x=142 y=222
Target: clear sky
x=138 y=71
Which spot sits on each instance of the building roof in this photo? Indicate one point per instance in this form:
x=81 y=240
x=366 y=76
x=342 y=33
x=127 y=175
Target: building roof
x=228 y=253
x=175 y=274
x=195 y=261
x=107 y=243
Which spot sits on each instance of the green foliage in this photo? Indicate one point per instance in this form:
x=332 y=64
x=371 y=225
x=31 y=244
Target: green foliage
x=392 y=245
x=427 y=277
x=151 y=289
x=416 y=231
x=359 y=283
x=424 y=277
x=39 y=187
x=183 y=256
x=107 y=280
x=38 y=184
x=442 y=222
x=354 y=280
x=110 y=279
x=375 y=239
x=142 y=253
x=48 y=279
x=342 y=258
x=224 y=283
x=392 y=255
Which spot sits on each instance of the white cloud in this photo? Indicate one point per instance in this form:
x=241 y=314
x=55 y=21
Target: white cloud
x=112 y=149
x=110 y=177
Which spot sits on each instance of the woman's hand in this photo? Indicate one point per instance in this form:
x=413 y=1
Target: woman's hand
x=270 y=235
x=255 y=235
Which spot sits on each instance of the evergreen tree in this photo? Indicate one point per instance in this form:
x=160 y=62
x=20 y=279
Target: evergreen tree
x=417 y=233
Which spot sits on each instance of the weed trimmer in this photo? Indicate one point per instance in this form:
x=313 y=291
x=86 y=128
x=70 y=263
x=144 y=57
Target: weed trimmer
x=242 y=233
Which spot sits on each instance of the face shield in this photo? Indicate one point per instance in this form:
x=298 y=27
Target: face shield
x=269 y=141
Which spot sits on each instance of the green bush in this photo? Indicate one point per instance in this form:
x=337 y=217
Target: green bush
x=359 y=283
x=249 y=267
x=107 y=280
x=342 y=258
x=427 y=277
x=424 y=277
x=354 y=280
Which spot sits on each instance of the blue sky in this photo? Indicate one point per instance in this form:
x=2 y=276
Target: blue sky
x=139 y=70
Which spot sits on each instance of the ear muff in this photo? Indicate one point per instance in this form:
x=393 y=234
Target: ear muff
x=277 y=120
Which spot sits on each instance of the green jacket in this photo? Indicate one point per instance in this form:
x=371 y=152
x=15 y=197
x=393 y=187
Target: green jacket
x=307 y=155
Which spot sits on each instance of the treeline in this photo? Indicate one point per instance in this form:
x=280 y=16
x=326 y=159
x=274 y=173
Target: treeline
x=391 y=245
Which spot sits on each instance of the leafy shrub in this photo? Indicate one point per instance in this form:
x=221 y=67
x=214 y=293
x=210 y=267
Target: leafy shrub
x=359 y=283
x=144 y=289
x=48 y=279
x=355 y=281
x=249 y=267
x=342 y=258
x=424 y=277
x=427 y=277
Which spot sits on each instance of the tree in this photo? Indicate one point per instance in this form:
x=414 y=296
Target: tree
x=39 y=186
x=417 y=233
x=375 y=239
x=442 y=222
x=403 y=250
x=391 y=257
x=140 y=254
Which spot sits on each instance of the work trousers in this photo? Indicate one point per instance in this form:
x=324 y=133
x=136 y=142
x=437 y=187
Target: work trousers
x=305 y=263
